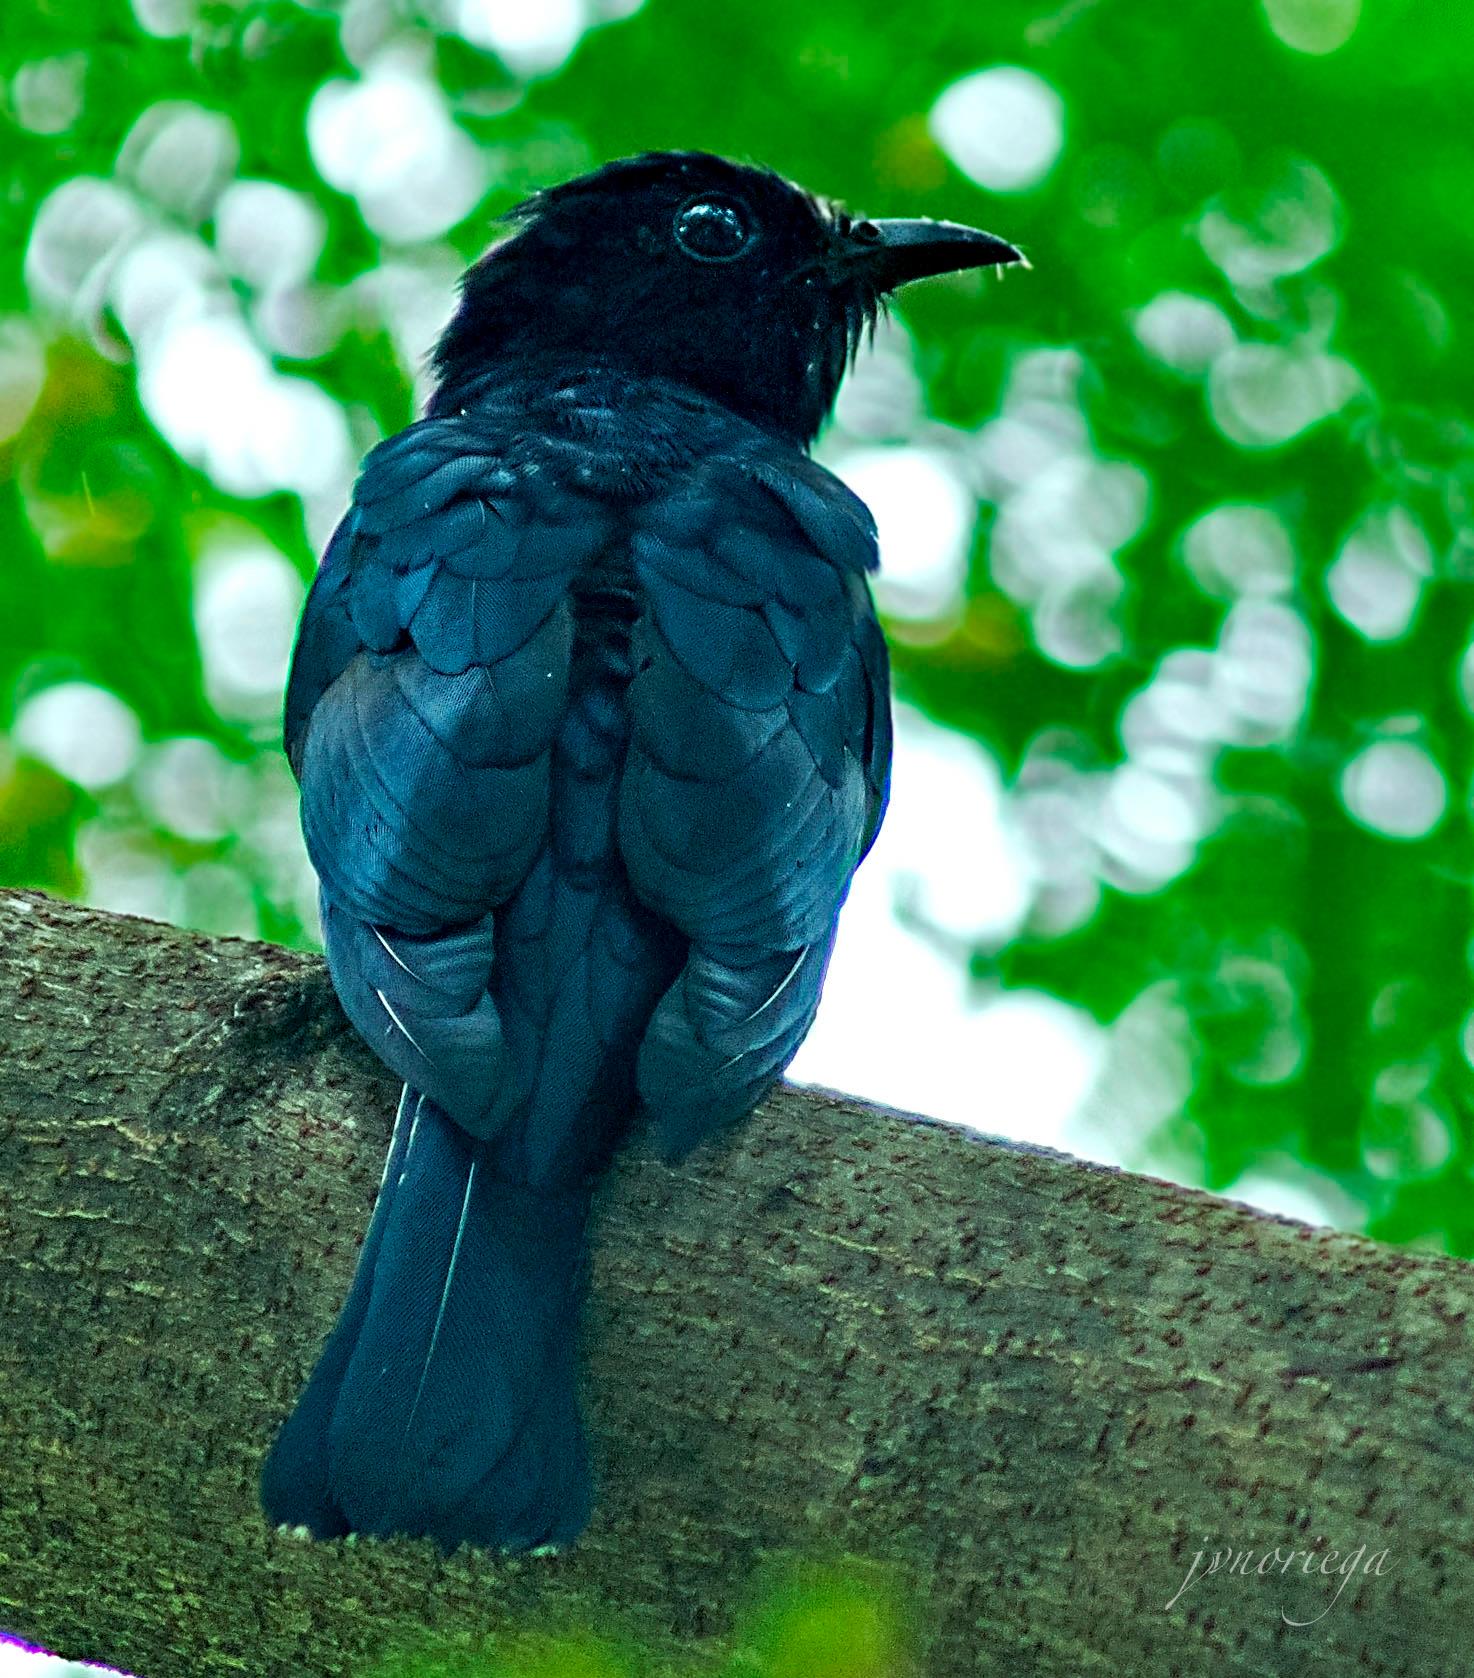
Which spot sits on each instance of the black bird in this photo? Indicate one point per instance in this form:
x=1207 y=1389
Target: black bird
x=591 y=716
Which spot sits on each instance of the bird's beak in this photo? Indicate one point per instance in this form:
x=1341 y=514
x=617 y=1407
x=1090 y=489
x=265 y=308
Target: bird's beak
x=896 y=252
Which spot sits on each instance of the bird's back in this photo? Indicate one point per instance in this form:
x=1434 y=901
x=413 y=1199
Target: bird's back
x=591 y=657
x=581 y=962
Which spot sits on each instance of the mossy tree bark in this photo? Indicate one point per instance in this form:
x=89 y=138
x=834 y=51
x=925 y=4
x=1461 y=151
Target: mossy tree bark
x=1035 y=1387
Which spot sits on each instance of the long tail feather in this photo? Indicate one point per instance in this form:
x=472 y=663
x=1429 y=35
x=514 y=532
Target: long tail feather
x=444 y=1403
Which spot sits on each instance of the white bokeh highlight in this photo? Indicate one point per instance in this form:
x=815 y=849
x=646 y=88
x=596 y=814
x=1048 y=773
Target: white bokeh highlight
x=1262 y=672
x=1377 y=579
x=247 y=599
x=166 y=18
x=389 y=141
x=277 y=432
x=902 y=1021
x=1003 y=127
x=83 y=732
x=1313 y=26
x=1264 y=395
x=1295 y=223
x=1288 y=1188
x=1183 y=332
x=180 y=156
x=46 y=94
x=1239 y=548
x=1395 y=788
x=126 y=874
x=411 y=297
x=95 y=244
x=924 y=517
x=1063 y=514
x=80 y=231
x=190 y=788
x=531 y=40
x=22 y=372
x=268 y=235
x=881 y=399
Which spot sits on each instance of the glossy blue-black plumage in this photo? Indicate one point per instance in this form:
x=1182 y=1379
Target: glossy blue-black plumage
x=589 y=710
x=585 y=777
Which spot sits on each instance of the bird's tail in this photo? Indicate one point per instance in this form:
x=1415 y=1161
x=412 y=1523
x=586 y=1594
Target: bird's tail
x=444 y=1404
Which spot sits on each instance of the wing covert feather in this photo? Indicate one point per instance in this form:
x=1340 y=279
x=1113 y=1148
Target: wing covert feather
x=429 y=682
x=756 y=774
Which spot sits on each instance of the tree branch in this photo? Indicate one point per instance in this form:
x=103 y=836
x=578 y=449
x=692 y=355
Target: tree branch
x=1037 y=1387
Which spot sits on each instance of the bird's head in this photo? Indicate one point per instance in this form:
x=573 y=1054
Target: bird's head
x=688 y=267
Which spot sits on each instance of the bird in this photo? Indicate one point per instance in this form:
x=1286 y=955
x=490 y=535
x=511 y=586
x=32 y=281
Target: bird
x=589 y=709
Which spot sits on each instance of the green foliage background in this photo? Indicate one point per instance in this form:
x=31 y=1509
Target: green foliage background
x=798 y=1620
x=1304 y=214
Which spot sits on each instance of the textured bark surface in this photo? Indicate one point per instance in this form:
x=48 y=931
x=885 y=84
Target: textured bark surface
x=1037 y=1387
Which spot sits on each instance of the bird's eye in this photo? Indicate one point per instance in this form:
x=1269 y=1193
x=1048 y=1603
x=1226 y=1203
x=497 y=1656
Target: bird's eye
x=713 y=230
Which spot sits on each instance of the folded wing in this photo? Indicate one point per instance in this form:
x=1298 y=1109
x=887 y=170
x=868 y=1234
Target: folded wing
x=757 y=772
x=430 y=679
